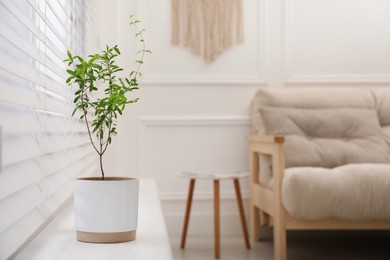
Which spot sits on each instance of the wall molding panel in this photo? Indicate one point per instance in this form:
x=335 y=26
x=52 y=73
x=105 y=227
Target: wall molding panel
x=291 y=78
x=156 y=121
x=202 y=81
x=339 y=79
x=160 y=134
x=147 y=122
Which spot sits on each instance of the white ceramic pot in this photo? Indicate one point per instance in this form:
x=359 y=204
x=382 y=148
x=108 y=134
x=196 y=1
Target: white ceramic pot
x=106 y=211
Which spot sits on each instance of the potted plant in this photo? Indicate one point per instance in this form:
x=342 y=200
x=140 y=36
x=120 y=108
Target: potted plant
x=106 y=208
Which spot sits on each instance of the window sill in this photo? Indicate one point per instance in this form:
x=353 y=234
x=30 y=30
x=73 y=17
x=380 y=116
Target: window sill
x=58 y=239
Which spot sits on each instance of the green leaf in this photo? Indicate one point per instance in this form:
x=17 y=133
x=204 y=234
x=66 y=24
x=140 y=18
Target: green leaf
x=79 y=58
x=69 y=55
x=99 y=123
x=69 y=79
x=74 y=111
x=71 y=72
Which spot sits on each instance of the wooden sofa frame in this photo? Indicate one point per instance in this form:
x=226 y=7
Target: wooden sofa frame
x=267 y=201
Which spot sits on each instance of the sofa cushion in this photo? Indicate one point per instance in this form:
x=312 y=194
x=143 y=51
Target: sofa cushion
x=382 y=97
x=350 y=192
x=311 y=98
x=327 y=137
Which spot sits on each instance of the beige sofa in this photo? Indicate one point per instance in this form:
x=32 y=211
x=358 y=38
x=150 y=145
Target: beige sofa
x=319 y=159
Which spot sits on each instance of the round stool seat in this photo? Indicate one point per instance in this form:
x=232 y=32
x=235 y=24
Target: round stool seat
x=212 y=175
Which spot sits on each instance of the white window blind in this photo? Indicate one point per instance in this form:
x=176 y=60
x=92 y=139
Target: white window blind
x=43 y=147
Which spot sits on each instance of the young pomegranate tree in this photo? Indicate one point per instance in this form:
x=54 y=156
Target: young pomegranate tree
x=99 y=72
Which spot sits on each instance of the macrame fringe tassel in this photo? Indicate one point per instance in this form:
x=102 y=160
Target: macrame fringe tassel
x=207 y=27
x=175 y=22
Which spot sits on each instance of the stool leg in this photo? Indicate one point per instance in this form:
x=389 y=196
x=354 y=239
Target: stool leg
x=216 y=219
x=241 y=210
x=187 y=214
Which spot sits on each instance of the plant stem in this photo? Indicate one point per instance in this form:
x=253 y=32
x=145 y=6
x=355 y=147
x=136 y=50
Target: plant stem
x=85 y=112
x=89 y=131
x=110 y=125
x=101 y=165
x=143 y=49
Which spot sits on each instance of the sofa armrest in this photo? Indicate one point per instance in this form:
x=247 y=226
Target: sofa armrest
x=266 y=144
x=269 y=145
x=258 y=138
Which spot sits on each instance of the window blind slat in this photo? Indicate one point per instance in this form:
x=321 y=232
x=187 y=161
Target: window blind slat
x=56 y=161
x=56 y=109
x=19 y=42
x=21 y=70
x=51 y=204
x=60 y=12
x=29 y=171
x=19 y=204
x=22 y=175
x=55 y=25
x=23 y=19
x=16 y=234
x=18 y=95
x=32 y=149
x=56 y=142
x=55 y=182
x=59 y=89
x=21 y=120
x=76 y=154
x=89 y=170
x=57 y=123
x=30 y=26
x=47 y=21
x=59 y=69
x=21 y=147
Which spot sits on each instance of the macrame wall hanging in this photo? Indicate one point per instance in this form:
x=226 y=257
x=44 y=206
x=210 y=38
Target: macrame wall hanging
x=207 y=27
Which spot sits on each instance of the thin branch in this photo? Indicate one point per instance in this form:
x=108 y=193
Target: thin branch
x=111 y=113
x=143 y=50
x=85 y=115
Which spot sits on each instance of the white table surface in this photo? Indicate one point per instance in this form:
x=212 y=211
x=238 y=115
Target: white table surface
x=58 y=240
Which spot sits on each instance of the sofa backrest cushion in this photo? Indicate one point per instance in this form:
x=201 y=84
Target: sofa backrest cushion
x=382 y=99
x=309 y=97
x=327 y=137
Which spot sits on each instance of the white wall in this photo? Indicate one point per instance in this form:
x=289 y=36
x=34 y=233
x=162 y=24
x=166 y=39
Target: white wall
x=195 y=116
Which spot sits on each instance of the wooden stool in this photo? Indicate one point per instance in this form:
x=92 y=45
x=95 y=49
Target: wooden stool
x=216 y=177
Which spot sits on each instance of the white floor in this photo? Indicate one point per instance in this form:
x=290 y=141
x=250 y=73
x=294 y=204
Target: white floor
x=335 y=245
x=201 y=248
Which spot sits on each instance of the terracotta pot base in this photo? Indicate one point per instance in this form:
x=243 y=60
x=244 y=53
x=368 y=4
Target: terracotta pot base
x=118 y=237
